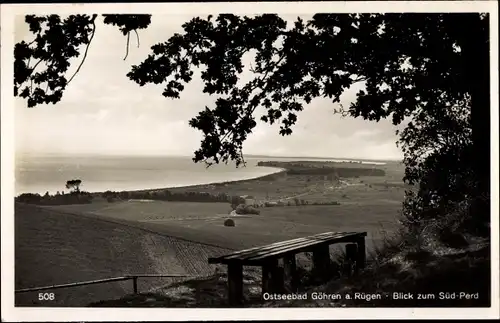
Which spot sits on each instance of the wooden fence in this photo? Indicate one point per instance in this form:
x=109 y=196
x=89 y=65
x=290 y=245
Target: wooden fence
x=134 y=279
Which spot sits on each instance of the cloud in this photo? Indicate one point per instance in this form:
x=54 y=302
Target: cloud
x=99 y=116
x=367 y=133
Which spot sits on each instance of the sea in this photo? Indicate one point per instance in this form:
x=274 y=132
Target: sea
x=41 y=173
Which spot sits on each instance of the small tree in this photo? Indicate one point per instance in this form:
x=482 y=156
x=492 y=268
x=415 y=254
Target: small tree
x=74 y=185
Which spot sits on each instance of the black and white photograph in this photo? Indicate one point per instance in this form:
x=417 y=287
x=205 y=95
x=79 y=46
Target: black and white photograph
x=285 y=160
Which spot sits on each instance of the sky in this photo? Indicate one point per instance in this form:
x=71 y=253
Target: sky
x=103 y=112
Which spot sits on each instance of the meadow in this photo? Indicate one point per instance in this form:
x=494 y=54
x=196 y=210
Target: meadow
x=203 y=222
x=59 y=248
x=366 y=203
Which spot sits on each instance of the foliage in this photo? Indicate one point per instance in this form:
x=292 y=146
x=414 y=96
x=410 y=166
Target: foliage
x=30 y=198
x=56 y=42
x=330 y=172
x=40 y=66
x=166 y=195
x=74 y=184
x=128 y=23
x=58 y=199
x=235 y=201
x=246 y=209
x=320 y=58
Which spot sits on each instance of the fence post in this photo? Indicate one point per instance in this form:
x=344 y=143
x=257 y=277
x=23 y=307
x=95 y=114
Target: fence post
x=135 y=284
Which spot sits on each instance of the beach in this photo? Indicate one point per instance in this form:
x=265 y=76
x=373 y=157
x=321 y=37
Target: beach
x=49 y=173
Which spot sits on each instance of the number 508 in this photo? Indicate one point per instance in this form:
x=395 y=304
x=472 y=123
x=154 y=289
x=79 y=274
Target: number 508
x=46 y=296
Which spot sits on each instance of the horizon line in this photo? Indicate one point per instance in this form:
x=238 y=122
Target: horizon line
x=69 y=154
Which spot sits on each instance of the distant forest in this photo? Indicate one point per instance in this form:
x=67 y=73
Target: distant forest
x=313 y=168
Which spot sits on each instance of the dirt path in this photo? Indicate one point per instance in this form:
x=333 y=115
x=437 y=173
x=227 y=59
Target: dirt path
x=296 y=196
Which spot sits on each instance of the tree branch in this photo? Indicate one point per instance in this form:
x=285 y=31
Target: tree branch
x=252 y=69
x=359 y=79
x=343 y=113
x=34 y=40
x=128 y=42
x=34 y=67
x=85 y=54
x=252 y=110
x=138 y=42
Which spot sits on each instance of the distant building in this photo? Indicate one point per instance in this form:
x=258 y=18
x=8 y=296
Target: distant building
x=248 y=199
x=271 y=203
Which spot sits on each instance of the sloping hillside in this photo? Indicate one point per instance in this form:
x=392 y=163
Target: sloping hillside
x=58 y=248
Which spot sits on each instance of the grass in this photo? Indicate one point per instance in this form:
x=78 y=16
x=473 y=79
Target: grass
x=283 y=185
x=208 y=292
x=366 y=209
x=453 y=278
x=206 y=220
x=150 y=210
x=57 y=248
x=441 y=277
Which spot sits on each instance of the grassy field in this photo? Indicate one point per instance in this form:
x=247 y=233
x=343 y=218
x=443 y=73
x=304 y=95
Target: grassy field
x=368 y=203
x=273 y=224
x=57 y=248
x=67 y=243
x=282 y=185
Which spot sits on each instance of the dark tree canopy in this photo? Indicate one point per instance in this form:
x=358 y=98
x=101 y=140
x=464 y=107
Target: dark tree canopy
x=427 y=68
x=411 y=64
x=74 y=185
x=40 y=66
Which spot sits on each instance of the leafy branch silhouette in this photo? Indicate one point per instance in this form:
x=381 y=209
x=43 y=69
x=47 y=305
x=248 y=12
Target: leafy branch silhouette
x=40 y=66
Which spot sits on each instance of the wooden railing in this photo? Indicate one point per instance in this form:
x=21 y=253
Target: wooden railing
x=101 y=281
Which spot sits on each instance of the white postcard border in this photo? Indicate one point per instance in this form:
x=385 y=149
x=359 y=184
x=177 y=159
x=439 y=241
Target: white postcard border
x=11 y=313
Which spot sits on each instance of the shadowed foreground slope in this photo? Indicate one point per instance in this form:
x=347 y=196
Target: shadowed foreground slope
x=439 y=279
x=56 y=248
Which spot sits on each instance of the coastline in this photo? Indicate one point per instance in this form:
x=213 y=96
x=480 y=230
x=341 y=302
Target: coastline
x=268 y=170
x=277 y=171
x=272 y=171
